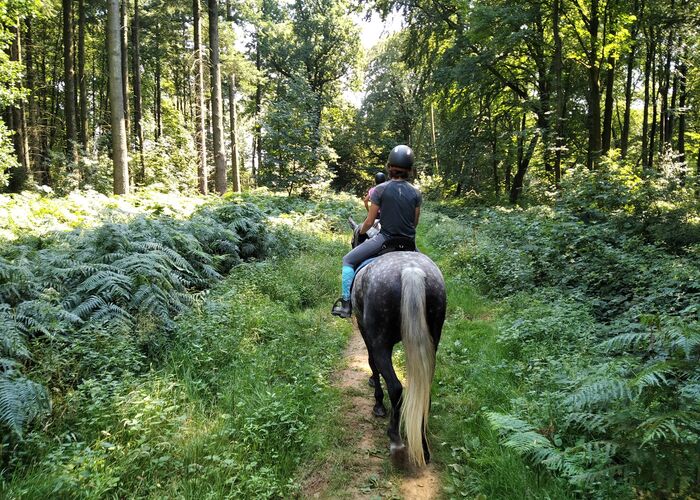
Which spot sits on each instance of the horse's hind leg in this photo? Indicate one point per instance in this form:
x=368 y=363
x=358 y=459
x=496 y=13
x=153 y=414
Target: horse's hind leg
x=393 y=384
x=378 y=410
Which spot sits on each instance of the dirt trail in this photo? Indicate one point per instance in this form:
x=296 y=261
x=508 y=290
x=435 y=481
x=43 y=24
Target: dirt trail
x=363 y=466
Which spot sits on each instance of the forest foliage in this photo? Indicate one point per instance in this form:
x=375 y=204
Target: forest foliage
x=503 y=99
x=600 y=322
x=112 y=305
x=561 y=138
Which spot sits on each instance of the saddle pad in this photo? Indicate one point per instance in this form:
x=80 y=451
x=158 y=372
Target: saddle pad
x=364 y=264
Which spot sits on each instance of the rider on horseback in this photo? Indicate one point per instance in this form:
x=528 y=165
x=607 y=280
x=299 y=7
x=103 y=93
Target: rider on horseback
x=399 y=202
x=379 y=178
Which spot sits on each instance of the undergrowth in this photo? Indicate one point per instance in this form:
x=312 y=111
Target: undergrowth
x=592 y=360
x=146 y=395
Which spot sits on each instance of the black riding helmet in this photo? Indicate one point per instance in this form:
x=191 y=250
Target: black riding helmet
x=402 y=157
x=379 y=177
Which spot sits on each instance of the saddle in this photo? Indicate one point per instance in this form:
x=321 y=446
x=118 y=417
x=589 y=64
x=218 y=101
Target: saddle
x=398 y=244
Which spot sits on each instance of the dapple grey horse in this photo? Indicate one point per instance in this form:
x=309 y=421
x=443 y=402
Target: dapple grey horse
x=400 y=296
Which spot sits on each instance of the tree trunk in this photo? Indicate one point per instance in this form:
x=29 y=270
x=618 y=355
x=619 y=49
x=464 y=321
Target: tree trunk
x=19 y=175
x=200 y=104
x=33 y=100
x=647 y=94
x=593 y=95
x=432 y=138
x=524 y=158
x=125 y=65
x=558 y=115
x=671 y=112
x=158 y=117
x=543 y=91
x=138 y=104
x=216 y=105
x=697 y=176
x=82 y=84
x=664 y=89
x=116 y=94
x=69 y=84
x=609 y=103
x=683 y=75
x=494 y=161
x=22 y=117
x=235 y=170
x=652 y=132
x=257 y=129
x=624 y=138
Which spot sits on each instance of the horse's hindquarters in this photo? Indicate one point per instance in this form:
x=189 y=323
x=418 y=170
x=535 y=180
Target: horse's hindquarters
x=401 y=295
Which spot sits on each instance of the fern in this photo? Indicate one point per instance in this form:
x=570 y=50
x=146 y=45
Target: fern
x=108 y=281
x=15 y=280
x=13 y=335
x=114 y=314
x=599 y=392
x=21 y=400
x=90 y=304
x=691 y=392
x=657 y=375
x=687 y=340
x=591 y=422
x=625 y=342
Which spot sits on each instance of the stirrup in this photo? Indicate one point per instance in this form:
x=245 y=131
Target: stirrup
x=339 y=308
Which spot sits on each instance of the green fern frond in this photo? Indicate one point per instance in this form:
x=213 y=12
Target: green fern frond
x=686 y=340
x=529 y=442
x=661 y=427
x=599 y=452
x=13 y=334
x=113 y=313
x=105 y=280
x=657 y=375
x=691 y=391
x=87 y=306
x=592 y=422
x=626 y=342
x=599 y=392
x=21 y=400
x=505 y=422
x=591 y=477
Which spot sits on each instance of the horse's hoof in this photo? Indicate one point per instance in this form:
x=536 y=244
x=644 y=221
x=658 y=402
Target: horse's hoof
x=371 y=382
x=379 y=411
x=399 y=455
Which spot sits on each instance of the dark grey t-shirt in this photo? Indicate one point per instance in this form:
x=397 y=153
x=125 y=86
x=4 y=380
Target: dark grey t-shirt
x=397 y=201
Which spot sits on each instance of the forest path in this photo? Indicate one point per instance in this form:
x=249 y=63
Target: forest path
x=362 y=469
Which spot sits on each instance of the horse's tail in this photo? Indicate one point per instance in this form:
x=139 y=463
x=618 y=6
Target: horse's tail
x=420 y=362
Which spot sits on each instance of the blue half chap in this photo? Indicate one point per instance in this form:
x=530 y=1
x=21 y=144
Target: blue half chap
x=348 y=275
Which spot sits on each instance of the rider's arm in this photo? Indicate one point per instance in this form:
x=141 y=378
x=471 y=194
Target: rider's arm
x=366 y=200
x=371 y=217
x=415 y=224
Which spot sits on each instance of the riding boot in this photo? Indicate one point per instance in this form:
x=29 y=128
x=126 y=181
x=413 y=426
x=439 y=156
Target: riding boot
x=342 y=308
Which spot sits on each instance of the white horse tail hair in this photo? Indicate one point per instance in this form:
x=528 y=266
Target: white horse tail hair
x=420 y=362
